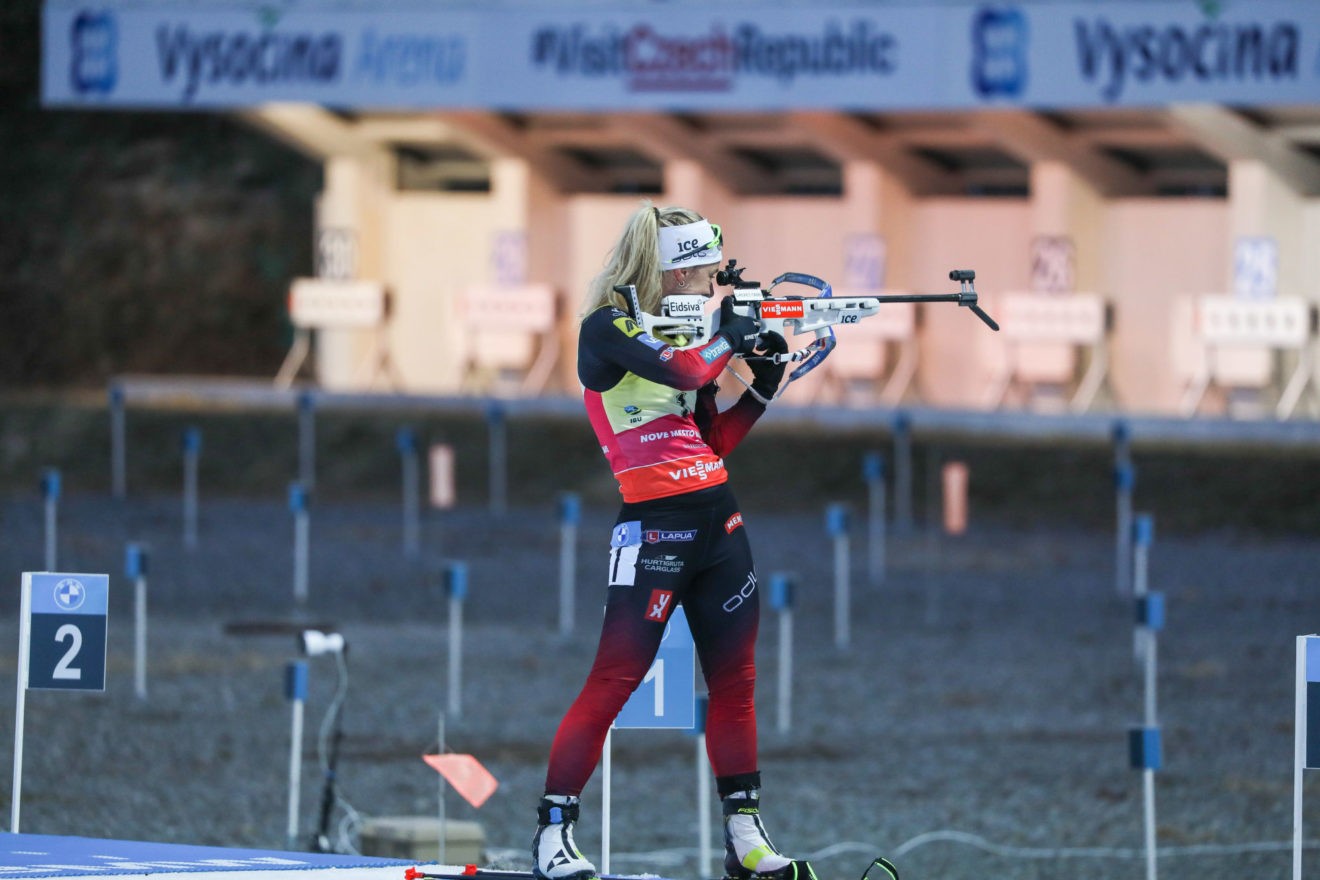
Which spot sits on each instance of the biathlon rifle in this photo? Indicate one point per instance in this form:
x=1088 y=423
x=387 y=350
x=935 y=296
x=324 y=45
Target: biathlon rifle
x=685 y=315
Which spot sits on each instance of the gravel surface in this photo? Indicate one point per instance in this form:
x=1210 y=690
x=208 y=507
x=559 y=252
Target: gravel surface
x=987 y=690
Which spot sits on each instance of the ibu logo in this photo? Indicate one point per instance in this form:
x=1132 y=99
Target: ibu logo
x=999 y=52
x=94 y=38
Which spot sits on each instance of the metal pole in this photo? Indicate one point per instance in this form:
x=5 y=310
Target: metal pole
x=498 y=453
x=570 y=513
x=192 y=447
x=135 y=569
x=301 y=542
x=295 y=690
x=873 y=472
x=1142 y=533
x=50 y=490
x=118 y=444
x=1299 y=752
x=902 y=473
x=781 y=599
x=934 y=585
x=440 y=750
x=1148 y=802
x=406 y=442
x=1148 y=773
x=606 y=781
x=703 y=789
x=456 y=586
x=20 y=698
x=1150 y=619
x=1124 y=483
x=307 y=440
x=836 y=523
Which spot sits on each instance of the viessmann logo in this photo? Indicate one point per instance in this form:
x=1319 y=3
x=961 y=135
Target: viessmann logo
x=650 y=59
x=783 y=309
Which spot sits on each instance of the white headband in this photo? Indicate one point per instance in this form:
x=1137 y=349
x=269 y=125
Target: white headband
x=692 y=244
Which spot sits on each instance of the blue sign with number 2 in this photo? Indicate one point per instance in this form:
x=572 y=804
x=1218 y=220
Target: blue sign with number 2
x=67 y=635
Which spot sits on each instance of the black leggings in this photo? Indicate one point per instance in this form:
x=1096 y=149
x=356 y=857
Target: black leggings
x=691 y=550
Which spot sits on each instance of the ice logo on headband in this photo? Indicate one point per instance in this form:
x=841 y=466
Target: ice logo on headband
x=696 y=243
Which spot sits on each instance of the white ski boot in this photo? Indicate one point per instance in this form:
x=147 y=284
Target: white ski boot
x=554 y=854
x=748 y=852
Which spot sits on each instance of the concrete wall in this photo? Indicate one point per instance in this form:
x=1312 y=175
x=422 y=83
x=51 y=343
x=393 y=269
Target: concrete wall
x=1144 y=254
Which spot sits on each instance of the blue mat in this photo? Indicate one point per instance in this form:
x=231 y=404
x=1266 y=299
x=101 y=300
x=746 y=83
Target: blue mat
x=49 y=855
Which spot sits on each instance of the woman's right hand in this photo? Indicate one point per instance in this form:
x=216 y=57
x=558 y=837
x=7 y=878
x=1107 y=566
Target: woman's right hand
x=741 y=330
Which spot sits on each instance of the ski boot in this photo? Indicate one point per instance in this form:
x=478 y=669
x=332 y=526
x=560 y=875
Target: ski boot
x=748 y=852
x=554 y=854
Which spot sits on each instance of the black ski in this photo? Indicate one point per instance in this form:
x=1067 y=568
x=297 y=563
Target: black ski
x=879 y=869
x=471 y=872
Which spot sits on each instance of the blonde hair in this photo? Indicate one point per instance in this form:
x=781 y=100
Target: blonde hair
x=635 y=260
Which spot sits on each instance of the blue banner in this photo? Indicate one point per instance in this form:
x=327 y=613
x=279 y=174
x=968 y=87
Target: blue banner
x=737 y=57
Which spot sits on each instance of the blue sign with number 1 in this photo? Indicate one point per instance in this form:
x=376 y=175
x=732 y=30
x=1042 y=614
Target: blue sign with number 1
x=67 y=630
x=666 y=698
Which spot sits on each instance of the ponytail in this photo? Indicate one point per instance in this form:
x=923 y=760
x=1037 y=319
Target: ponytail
x=635 y=260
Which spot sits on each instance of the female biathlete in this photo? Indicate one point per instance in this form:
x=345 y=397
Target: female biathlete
x=679 y=538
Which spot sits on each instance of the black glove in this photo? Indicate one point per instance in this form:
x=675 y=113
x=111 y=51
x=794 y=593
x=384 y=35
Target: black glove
x=766 y=374
x=740 y=330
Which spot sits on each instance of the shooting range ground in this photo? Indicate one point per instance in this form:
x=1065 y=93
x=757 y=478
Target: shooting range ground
x=786 y=464
x=1006 y=719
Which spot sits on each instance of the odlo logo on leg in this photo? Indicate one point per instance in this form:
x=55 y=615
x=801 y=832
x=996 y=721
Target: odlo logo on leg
x=658 y=607
x=734 y=602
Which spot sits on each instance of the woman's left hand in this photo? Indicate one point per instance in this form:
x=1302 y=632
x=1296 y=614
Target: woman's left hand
x=766 y=374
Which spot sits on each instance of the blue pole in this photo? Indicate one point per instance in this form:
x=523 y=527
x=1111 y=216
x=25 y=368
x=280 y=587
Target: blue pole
x=873 y=473
x=301 y=541
x=191 y=445
x=50 y=493
x=307 y=440
x=836 y=523
x=497 y=431
x=570 y=514
x=118 y=443
x=902 y=473
x=781 y=600
x=456 y=586
x=1124 y=484
x=295 y=690
x=405 y=440
x=135 y=569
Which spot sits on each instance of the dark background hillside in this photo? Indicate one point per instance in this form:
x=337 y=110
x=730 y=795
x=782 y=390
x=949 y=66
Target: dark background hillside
x=139 y=242
x=164 y=242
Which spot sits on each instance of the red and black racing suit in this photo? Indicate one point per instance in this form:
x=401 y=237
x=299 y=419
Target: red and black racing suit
x=679 y=539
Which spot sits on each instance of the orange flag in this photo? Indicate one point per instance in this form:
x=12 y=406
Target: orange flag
x=466 y=775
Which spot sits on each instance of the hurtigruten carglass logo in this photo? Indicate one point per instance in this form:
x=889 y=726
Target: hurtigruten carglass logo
x=648 y=58
x=93 y=68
